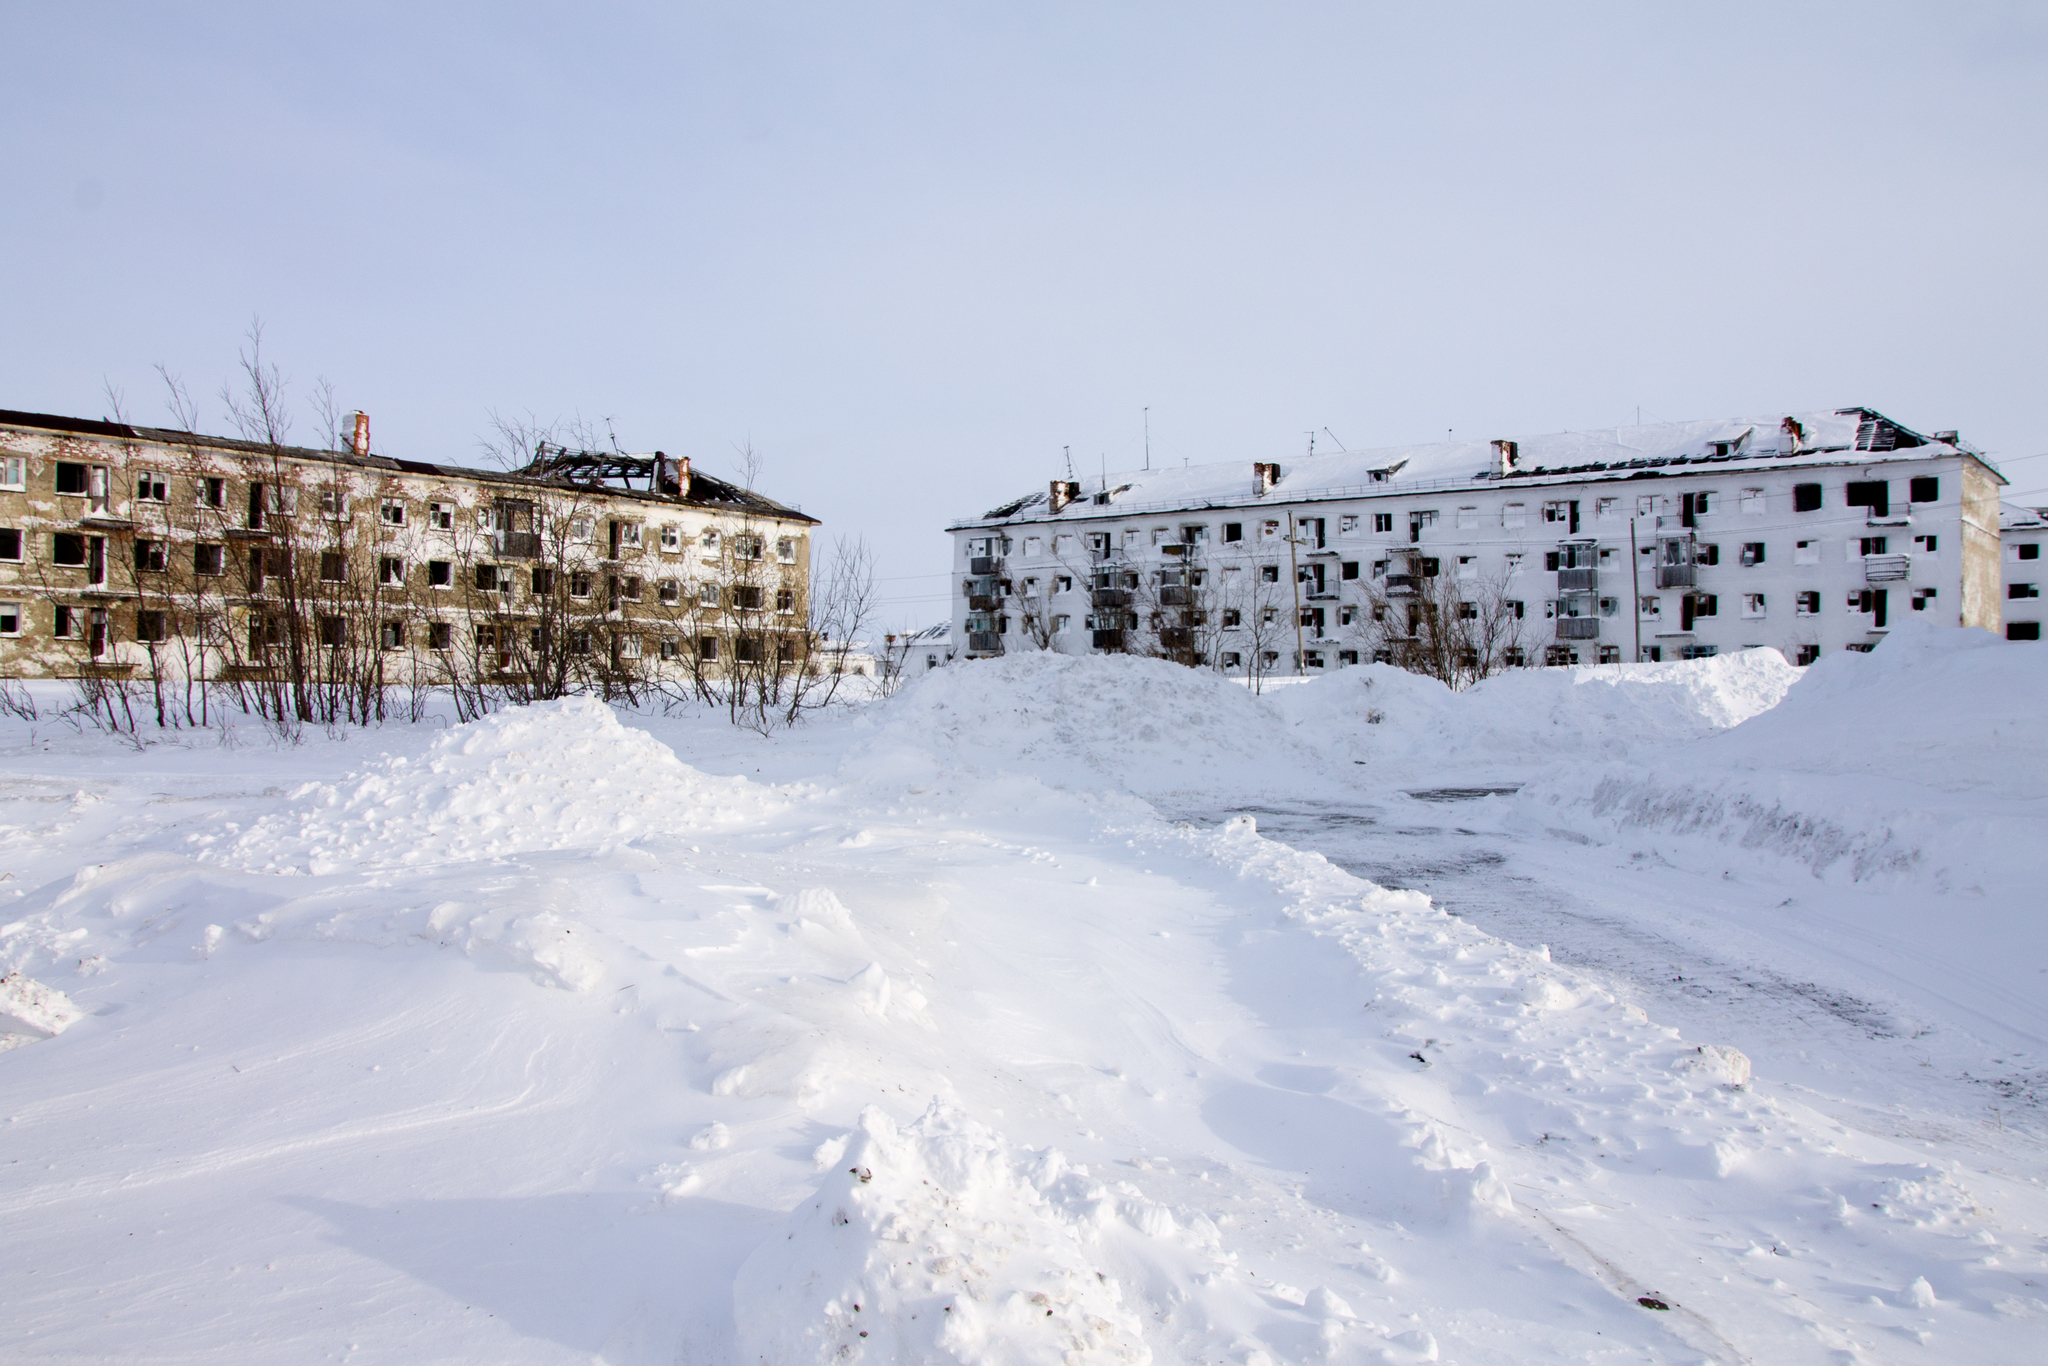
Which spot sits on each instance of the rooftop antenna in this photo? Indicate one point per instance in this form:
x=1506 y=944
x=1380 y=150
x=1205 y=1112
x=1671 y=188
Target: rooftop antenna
x=1333 y=436
x=1104 y=457
x=1068 y=451
x=1311 y=444
x=1148 y=438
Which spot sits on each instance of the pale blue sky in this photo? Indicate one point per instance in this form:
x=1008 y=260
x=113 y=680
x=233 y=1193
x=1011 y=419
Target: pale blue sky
x=911 y=251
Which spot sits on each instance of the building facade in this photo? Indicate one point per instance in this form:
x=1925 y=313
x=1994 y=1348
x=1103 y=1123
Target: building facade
x=2023 y=531
x=1807 y=532
x=129 y=551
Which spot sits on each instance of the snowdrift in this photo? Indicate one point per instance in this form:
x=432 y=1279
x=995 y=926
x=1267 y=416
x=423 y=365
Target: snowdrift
x=1402 y=725
x=1921 y=760
x=553 y=776
x=1140 y=725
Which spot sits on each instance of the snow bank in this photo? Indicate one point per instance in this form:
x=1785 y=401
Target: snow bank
x=1145 y=725
x=932 y=1244
x=557 y=775
x=1403 y=725
x=1925 y=759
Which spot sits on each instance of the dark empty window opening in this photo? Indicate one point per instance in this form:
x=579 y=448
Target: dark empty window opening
x=333 y=566
x=209 y=560
x=70 y=477
x=1806 y=498
x=1752 y=552
x=10 y=543
x=1874 y=494
x=487 y=578
x=67 y=548
x=440 y=574
x=1233 y=531
x=1925 y=488
x=2023 y=630
x=151 y=557
x=2029 y=551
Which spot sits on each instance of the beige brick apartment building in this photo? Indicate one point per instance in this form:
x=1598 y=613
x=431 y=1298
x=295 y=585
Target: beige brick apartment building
x=129 y=551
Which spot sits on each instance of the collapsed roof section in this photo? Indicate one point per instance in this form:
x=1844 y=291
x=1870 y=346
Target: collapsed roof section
x=1828 y=437
x=654 y=477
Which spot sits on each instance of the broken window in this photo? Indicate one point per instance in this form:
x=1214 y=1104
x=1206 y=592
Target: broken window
x=486 y=578
x=579 y=584
x=2026 y=550
x=632 y=535
x=1806 y=552
x=747 y=547
x=209 y=560
x=210 y=492
x=1232 y=659
x=785 y=599
x=583 y=530
x=747 y=599
x=1610 y=607
x=1806 y=497
x=1650 y=607
x=2022 y=590
x=333 y=503
x=707 y=648
x=150 y=557
x=67 y=547
x=152 y=626
x=333 y=632
x=631 y=587
x=10 y=543
x=392 y=512
x=1752 y=553
x=1752 y=503
x=1348 y=569
x=1468 y=611
x=1921 y=597
x=1233 y=531
x=1926 y=544
x=707 y=595
x=1383 y=521
x=390 y=570
x=1061 y=623
x=1346 y=525
x=1806 y=604
x=1874 y=494
x=70 y=478
x=1707 y=554
x=1063 y=583
x=1514 y=563
x=543 y=581
x=1924 y=488
x=2023 y=630
x=440 y=574
x=441 y=516
x=10 y=618
x=670 y=592
x=64 y=623
x=439 y=635
x=391 y=635
x=1607 y=509
x=671 y=538
x=1269 y=529
x=1872 y=545
x=1417 y=521
x=1468 y=566
x=151 y=487
x=1806 y=654
x=1232 y=618
x=334 y=567
x=629 y=647
x=1752 y=604
x=1269 y=573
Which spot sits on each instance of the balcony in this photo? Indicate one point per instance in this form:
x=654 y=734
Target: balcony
x=1176 y=638
x=1401 y=585
x=1677 y=575
x=1175 y=596
x=1111 y=597
x=1578 y=580
x=518 y=545
x=1108 y=640
x=984 y=564
x=1578 y=628
x=985 y=642
x=982 y=602
x=1886 y=568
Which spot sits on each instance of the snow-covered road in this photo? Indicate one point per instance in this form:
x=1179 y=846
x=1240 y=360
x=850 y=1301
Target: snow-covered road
x=923 y=1035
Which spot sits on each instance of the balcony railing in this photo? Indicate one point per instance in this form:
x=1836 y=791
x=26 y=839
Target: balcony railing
x=1578 y=628
x=1111 y=597
x=1577 y=580
x=1399 y=584
x=1886 y=568
x=1677 y=575
x=985 y=642
x=1109 y=640
x=518 y=545
x=984 y=564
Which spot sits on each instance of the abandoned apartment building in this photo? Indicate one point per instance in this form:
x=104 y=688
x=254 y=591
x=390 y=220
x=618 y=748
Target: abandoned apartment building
x=1807 y=532
x=124 y=548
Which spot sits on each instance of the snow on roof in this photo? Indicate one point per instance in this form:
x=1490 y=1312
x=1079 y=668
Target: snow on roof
x=1816 y=437
x=2013 y=517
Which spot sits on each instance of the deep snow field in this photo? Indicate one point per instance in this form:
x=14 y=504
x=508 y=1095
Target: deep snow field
x=1045 y=1013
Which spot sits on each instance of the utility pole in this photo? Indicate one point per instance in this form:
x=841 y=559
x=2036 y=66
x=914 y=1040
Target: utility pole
x=1148 y=438
x=1294 y=572
x=1635 y=586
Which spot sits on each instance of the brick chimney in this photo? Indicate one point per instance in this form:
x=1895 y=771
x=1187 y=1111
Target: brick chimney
x=359 y=439
x=1508 y=453
x=1264 y=476
x=1064 y=491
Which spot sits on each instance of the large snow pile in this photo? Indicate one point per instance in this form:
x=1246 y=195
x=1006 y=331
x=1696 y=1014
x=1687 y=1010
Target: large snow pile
x=1402 y=725
x=1923 y=758
x=1145 y=725
x=931 y=1244
x=557 y=775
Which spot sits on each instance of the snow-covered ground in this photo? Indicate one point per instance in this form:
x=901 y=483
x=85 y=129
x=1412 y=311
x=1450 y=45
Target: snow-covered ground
x=1041 y=1014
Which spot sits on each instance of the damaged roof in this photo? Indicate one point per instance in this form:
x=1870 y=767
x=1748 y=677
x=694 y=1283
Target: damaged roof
x=705 y=491
x=1826 y=437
